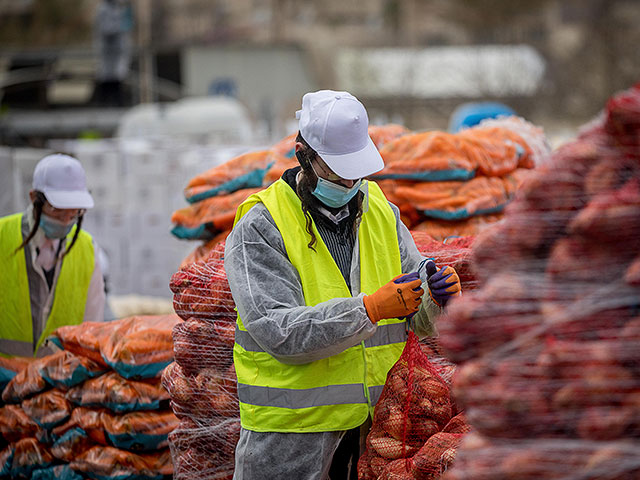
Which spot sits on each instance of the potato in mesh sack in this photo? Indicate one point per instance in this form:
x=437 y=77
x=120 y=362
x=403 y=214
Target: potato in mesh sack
x=108 y=463
x=119 y=394
x=140 y=346
x=205 y=451
x=547 y=344
x=200 y=344
x=201 y=290
x=203 y=397
x=415 y=405
x=201 y=252
x=143 y=431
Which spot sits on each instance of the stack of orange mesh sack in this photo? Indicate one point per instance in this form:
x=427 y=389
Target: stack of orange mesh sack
x=451 y=184
x=547 y=346
x=214 y=195
x=95 y=409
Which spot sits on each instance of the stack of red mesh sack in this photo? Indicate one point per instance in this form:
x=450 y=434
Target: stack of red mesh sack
x=455 y=252
x=416 y=425
x=215 y=195
x=458 y=183
x=548 y=346
x=202 y=380
x=95 y=409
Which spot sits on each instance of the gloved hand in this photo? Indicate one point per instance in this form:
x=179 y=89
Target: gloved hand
x=443 y=283
x=394 y=300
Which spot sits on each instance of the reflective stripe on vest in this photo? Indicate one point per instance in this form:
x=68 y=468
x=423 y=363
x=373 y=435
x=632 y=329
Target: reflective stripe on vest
x=16 y=327
x=336 y=393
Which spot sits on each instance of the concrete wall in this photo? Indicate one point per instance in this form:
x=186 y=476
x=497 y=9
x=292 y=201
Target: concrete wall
x=269 y=81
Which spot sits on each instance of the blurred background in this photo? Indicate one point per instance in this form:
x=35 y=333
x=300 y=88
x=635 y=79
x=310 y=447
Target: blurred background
x=148 y=93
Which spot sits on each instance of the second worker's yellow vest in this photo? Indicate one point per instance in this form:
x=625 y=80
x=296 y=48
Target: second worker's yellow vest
x=339 y=392
x=69 y=301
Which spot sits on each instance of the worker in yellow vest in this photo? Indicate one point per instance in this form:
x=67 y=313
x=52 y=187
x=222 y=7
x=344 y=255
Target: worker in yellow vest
x=49 y=274
x=312 y=263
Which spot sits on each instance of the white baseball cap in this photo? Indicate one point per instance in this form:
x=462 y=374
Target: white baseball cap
x=335 y=125
x=62 y=180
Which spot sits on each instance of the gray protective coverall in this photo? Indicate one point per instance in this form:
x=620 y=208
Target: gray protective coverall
x=268 y=294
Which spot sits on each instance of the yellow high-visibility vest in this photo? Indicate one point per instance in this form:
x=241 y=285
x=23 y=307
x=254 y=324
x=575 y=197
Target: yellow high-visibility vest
x=70 y=298
x=339 y=392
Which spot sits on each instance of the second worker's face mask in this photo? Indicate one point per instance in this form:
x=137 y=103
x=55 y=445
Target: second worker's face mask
x=332 y=194
x=53 y=228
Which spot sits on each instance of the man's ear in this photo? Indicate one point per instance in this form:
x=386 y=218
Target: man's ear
x=32 y=195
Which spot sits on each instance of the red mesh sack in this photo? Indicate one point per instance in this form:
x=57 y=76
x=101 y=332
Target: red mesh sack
x=205 y=451
x=132 y=431
x=201 y=252
x=455 y=252
x=415 y=404
x=202 y=381
x=29 y=455
x=201 y=290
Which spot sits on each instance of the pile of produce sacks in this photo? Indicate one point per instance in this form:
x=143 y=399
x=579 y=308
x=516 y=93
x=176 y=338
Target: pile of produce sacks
x=547 y=346
x=202 y=380
x=458 y=183
x=95 y=409
x=444 y=184
x=214 y=195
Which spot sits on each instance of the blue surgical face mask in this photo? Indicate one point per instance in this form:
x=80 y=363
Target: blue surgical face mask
x=53 y=228
x=332 y=194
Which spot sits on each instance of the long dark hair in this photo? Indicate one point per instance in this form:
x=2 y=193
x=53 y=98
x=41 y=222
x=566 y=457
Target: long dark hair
x=38 y=204
x=307 y=183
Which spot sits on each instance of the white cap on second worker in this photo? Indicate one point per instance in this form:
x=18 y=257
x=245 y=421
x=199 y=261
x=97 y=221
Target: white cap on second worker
x=62 y=180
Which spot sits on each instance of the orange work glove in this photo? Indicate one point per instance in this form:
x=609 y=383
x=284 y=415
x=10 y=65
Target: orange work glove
x=394 y=300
